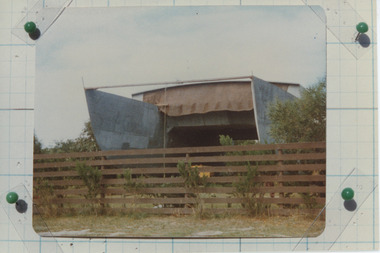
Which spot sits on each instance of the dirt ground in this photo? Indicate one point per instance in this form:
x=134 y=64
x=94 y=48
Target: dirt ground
x=182 y=226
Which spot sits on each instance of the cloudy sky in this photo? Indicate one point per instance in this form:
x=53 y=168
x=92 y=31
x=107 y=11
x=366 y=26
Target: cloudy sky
x=137 y=45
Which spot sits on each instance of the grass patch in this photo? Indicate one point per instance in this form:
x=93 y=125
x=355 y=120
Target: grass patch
x=183 y=226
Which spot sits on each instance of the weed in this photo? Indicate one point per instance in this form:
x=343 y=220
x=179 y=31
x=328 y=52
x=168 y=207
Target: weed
x=247 y=189
x=91 y=177
x=192 y=180
x=44 y=193
x=310 y=200
x=132 y=185
x=191 y=175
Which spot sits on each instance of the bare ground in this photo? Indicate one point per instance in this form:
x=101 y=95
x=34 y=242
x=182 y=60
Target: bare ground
x=182 y=226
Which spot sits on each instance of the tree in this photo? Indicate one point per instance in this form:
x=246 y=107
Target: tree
x=300 y=120
x=86 y=142
x=37 y=147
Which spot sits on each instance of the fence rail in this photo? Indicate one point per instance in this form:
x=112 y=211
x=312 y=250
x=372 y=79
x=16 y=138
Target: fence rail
x=288 y=176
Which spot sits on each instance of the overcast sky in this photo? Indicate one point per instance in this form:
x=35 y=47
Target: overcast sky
x=129 y=45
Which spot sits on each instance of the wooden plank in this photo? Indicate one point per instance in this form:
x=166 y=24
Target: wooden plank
x=189 y=211
x=106 y=171
x=158 y=190
x=262 y=179
x=226 y=179
x=157 y=201
x=167 y=211
x=236 y=211
x=261 y=168
x=293 y=189
x=174 y=170
x=290 y=201
x=142 y=171
x=185 y=150
x=179 y=180
x=210 y=190
x=292 y=167
x=199 y=159
x=74 y=201
x=47 y=174
x=64 y=192
x=75 y=182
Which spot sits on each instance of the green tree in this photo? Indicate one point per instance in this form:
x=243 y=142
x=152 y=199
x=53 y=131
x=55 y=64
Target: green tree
x=86 y=142
x=300 y=120
x=37 y=145
x=91 y=177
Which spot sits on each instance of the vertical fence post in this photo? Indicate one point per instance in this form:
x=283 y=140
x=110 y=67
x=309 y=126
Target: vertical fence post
x=102 y=187
x=280 y=163
x=184 y=186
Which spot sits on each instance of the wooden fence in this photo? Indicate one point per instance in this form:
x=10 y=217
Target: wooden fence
x=287 y=178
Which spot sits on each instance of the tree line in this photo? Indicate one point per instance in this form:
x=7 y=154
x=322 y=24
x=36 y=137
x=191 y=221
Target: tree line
x=86 y=142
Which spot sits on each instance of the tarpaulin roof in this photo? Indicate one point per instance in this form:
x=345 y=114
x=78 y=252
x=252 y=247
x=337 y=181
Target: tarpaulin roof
x=202 y=98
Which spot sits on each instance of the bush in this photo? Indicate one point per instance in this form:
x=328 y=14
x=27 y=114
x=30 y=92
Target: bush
x=131 y=185
x=247 y=189
x=191 y=175
x=44 y=192
x=91 y=177
x=193 y=181
x=300 y=120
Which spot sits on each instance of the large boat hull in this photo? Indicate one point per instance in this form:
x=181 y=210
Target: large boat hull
x=127 y=123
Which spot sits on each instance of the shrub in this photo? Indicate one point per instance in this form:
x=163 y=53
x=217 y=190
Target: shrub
x=247 y=189
x=192 y=180
x=300 y=120
x=190 y=174
x=44 y=192
x=131 y=185
x=91 y=177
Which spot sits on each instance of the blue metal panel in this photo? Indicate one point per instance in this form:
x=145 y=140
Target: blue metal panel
x=265 y=93
x=123 y=123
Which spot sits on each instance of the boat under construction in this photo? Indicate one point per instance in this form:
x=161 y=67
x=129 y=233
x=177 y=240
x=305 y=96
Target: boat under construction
x=186 y=113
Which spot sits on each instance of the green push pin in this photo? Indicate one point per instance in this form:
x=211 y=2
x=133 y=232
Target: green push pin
x=12 y=197
x=30 y=27
x=361 y=28
x=347 y=193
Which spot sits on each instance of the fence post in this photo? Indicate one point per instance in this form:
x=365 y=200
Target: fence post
x=184 y=186
x=102 y=188
x=280 y=163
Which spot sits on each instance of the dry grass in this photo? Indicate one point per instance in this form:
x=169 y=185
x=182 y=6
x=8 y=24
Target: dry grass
x=183 y=226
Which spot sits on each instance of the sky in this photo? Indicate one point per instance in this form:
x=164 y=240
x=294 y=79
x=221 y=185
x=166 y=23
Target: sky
x=92 y=47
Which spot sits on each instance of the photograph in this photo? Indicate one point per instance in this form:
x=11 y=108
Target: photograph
x=181 y=122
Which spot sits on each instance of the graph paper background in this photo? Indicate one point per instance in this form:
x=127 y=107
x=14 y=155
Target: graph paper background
x=351 y=135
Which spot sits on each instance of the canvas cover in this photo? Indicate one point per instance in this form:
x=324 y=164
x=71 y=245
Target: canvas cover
x=202 y=98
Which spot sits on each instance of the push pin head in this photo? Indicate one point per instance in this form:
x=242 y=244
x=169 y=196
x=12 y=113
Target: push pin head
x=362 y=28
x=30 y=27
x=21 y=206
x=35 y=35
x=347 y=193
x=12 y=197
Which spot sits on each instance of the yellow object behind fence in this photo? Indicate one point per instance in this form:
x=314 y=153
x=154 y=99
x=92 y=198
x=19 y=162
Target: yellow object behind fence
x=202 y=174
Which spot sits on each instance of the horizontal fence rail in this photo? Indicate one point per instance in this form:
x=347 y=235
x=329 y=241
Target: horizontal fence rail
x=285 y=177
